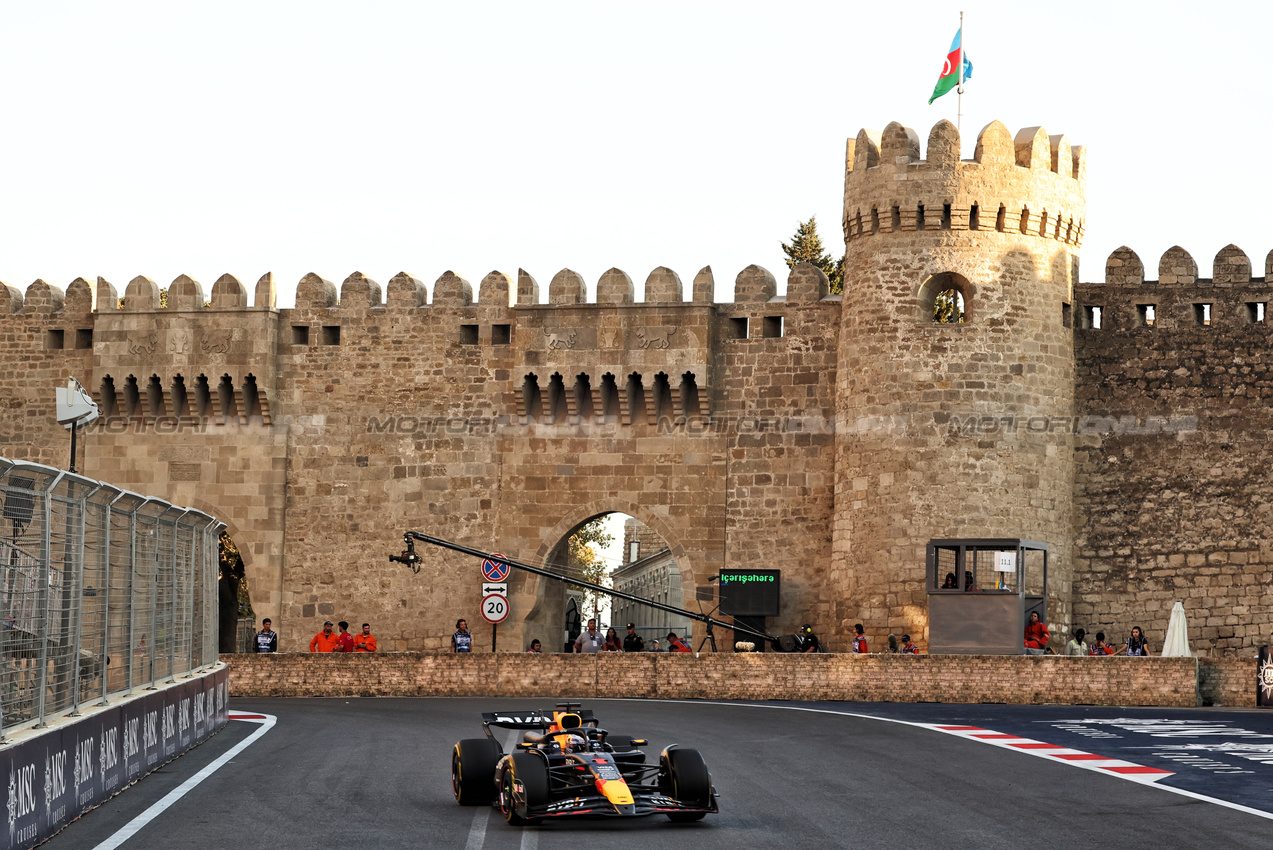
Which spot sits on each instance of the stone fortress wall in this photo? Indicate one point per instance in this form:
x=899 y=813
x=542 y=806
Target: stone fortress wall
x=827 y=437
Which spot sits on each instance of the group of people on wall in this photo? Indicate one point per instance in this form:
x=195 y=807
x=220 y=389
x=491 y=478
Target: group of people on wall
x=266 y=640
x=591 y=641
x=1037 y=637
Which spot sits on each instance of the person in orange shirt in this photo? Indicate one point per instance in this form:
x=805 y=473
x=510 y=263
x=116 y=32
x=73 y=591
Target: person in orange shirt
x=324 y=641
x=365 y=642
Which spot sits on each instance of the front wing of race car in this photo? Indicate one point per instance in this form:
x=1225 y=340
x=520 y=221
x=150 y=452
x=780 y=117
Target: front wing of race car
x=598 y=805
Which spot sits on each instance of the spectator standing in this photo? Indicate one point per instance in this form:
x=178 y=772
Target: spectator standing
x=344 y=640
x=676 y=644
x=1101 y=648
x=632 y=641
x=950 y=583
x=613 y=644
x=654 y=646
x=535 y=646
x=266 y=638
x=324 y=641
x=590 y=640
x=908 y=648
x=892 y=643
x=1036 y=636
x=462 y=639
x=808 y=640
x=365 y=642
x=1077 y=646
x=859 y=640
x=1136 y=644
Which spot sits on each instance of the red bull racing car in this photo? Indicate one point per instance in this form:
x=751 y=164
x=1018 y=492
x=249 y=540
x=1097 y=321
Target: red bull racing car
x=566 y=766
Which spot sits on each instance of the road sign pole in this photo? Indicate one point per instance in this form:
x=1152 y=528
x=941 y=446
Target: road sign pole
x=494 y=635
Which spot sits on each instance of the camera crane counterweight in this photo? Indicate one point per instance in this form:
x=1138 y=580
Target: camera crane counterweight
x=412 y=560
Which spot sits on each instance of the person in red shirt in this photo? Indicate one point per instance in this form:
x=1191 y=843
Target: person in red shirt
x=365 y=642
x=324 y=641
x=859 y=640
x=344 y=641
x=1101 y=648
x=908 y=648
x=1036 y=636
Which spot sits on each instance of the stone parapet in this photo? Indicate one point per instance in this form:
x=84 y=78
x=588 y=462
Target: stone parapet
x=1019 y=680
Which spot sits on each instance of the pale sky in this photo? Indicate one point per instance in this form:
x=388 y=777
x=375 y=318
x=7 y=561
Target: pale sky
x=169 y=138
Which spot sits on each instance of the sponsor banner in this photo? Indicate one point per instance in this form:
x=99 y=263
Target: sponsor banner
x=55 y=777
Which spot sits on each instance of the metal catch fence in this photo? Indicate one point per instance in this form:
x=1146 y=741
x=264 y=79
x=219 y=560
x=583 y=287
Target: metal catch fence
x=102 y=591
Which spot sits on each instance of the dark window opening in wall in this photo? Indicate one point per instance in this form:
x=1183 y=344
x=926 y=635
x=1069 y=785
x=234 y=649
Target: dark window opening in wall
x=1069 y=231
x=636 y=399
x=944 y=299
x=54 y=340
x=859 y=223
x=202 y=397
x=531 y=398
x=501 y=334
x=132 y=398
x=155 y=397
x=610 y=409
x=251 y=397
x=110 y=402
x=331 y=334
x=1025 y=220
x=919 y=217
x=226 y=402
x=945 y=217
x=1001 y=221
x=896 y=218
x=1043 y=224
x=1056 y=230
x=180 y=399
x=689 y=396
x=84 y=338
x=1146 y=315
x=556 y=399
x=468 y=334
x=1202 y=314
x=771 y=327
x=974 y=218
x=875 y=219
x=300 y=334
x=738 y=328
x=662 y=397
x=1067 y=318
x=1092 y=317
x=1255 y=312
x=583 y=397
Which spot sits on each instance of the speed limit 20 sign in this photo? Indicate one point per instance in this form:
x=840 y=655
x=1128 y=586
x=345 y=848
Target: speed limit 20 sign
x=494 y=608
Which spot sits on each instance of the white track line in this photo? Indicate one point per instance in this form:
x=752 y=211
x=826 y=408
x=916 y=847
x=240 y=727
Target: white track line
x=135 y=825
x=1104 y=767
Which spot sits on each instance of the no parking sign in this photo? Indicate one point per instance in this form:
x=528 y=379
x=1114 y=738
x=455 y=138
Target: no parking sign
x=493 y=570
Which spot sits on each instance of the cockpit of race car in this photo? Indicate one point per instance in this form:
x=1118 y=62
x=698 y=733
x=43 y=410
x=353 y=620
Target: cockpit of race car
x=566 y=765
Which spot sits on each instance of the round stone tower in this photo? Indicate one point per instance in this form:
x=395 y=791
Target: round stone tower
x=953 y=428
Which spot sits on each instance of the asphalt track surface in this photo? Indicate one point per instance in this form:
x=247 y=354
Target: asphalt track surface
x=375 y=773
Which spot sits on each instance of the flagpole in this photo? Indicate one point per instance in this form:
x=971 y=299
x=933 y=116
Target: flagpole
x=959 y=110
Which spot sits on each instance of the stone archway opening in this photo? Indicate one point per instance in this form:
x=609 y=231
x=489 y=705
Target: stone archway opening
x=616 y=550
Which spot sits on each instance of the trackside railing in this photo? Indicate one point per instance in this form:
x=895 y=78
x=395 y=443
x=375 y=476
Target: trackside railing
x=102 y=592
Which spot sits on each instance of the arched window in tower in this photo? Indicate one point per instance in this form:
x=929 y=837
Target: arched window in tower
x=583 y=397
x=132 y=399
x=251 y=397
x=1025 y=220
x=610 y=408
x=557 y=399
x=180 y=399
x=155 y=398
x=689 y=396
x=110 y=402
x=1043 y=224
x=531 y=398
x=202 y=397
x=974 y=218
x=875 y=219
x=662 y=397
x=227 y=405
x=1001 y=221
x=944 y=299
x=636 y=399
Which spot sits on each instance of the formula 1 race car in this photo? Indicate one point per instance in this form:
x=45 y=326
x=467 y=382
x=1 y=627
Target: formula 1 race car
x=567 y=765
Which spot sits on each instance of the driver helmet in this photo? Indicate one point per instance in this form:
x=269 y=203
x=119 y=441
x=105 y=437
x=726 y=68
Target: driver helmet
x=576 y=743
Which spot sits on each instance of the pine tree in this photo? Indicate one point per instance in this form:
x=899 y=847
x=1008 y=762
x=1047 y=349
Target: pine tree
x=806 y=247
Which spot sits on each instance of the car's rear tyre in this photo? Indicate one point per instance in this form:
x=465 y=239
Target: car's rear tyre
x=473 y=764
x=685 y=779
x=531 y=772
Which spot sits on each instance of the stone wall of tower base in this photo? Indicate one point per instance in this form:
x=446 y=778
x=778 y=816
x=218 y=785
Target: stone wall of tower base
x=1020 y=680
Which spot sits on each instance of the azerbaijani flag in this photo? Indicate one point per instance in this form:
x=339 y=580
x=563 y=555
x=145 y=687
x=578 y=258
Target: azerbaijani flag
x=950 y=71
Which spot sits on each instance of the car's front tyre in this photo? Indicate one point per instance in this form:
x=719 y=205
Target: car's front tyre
x=684 y=778
x=473 y=763
x=531 y=774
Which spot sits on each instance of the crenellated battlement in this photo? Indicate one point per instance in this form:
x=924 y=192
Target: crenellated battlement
x=1032 y=184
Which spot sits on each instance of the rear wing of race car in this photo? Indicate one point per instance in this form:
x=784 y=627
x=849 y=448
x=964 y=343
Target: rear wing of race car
x=531 y=719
